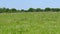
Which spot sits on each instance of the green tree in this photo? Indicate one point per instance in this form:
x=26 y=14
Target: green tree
x=31 y=9
x=7 y=10
x=22 y=10
x=47 y=9
x=55 y=9
x=13 y=10
x=3 y=9
x=38 y=10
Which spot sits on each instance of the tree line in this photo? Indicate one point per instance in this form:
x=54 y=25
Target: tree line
x=13 y=10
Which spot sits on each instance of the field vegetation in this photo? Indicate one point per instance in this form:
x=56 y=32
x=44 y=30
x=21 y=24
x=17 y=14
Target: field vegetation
x=30 y=23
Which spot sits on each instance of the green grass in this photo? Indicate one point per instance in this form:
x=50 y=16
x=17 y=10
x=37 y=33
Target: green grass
x=30 y=23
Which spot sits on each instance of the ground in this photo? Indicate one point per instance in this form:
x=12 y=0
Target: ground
x=30 y=23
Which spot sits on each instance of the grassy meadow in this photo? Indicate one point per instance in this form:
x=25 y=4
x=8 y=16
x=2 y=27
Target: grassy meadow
x=30 y=23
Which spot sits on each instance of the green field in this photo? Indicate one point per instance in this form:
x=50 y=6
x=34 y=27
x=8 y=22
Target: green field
x=30 y=23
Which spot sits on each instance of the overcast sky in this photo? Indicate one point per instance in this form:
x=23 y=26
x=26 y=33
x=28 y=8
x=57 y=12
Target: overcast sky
x=25 y=4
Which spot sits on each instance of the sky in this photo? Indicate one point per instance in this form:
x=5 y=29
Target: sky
x=25 y=4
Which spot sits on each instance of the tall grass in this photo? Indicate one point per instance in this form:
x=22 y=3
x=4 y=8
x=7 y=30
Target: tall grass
x=30 y=23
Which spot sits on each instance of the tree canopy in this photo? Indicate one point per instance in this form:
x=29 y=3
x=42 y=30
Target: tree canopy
x=13 y=10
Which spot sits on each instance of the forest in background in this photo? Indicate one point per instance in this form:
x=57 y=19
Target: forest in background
x=13 y=10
